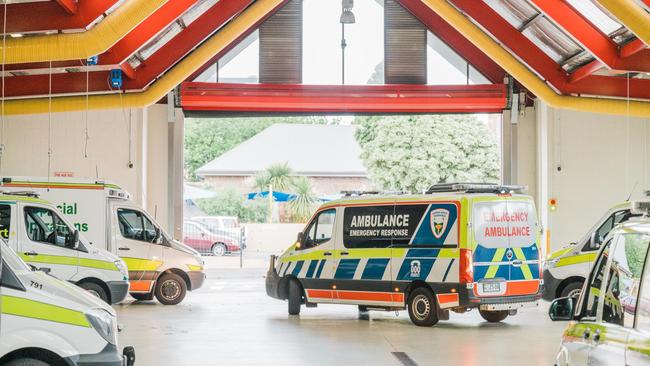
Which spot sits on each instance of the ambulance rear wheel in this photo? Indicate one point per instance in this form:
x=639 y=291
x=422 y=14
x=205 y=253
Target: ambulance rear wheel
x=95 y=290
x=572 y=289
x=295 y=297
x=422 y=307
x=494 y=316
x=26 y=362
x=170 y=289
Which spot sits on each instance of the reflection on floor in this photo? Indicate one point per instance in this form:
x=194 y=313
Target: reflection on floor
x=231 y=321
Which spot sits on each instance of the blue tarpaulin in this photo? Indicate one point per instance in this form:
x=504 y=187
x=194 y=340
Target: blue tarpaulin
x=277 y=196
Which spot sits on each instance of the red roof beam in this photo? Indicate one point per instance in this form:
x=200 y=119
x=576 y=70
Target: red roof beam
x=455 y=40
x=343 y=98
x=22 y=17
x=631 y=48
x=591 y=38
x=70 y=6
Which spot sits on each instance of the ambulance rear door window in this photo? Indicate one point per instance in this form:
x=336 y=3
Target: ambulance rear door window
x=5 y=220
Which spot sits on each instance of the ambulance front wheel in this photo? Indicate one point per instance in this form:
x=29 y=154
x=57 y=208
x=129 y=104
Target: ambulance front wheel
x=494 y=316
x=295 y=297
x=26 y=362
x=170 y=289
x=95 y=290
x=573 y=289
x=422 y=307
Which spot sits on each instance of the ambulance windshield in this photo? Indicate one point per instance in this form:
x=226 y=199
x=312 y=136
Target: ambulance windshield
x=502 y=224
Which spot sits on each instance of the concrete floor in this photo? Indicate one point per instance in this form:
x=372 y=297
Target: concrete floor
x=231 y=321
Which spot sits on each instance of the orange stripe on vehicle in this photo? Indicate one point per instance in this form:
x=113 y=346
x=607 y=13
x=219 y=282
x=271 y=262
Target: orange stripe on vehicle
x=522 y=287
x=367 y=296
x=447 y=298
x=320 y=294
x=140 y=286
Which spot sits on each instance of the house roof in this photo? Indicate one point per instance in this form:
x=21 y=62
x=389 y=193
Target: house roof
x=311 y=150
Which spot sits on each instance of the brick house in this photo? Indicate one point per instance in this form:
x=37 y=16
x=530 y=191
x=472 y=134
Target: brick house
x=327 y=154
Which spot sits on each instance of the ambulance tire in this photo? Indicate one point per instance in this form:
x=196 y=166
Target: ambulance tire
x=422 y=307
x=95 y=290
x=572 y=289
x=170 y=289
x=295 y=297
x=494 y=316
x=26 y=362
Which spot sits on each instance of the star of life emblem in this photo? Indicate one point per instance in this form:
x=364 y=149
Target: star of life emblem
x=415 y=268
x=439 y=219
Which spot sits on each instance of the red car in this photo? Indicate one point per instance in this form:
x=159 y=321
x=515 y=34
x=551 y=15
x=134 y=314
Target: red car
x=219 y=243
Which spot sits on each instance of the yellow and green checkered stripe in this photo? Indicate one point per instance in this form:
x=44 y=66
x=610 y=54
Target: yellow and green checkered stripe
x=576 y=259
x=139 y=264
x=27 y=308
x=69 y=261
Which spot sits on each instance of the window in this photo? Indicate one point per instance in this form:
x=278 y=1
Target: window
x=45 y=226
x=624 y=279
x=596 y=282
x=5 y=221
x=607 y=226
x=135 y=225
x=320 y=230
x=643 y=308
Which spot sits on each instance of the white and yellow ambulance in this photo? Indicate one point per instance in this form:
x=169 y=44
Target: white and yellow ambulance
x=459 y=247
x=157 y=264
x=565 y=269
x=47 y=321
x=44 y=238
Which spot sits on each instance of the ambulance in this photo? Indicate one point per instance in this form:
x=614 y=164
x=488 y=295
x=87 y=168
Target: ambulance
x=47 y=321
x=565 y=269
x=456 y=248
x=103 y=212
x=45 y=239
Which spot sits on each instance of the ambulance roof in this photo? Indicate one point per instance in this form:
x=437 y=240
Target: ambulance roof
x=390 y=198
x=639 y=225
x=57 y=182
x=12 y=198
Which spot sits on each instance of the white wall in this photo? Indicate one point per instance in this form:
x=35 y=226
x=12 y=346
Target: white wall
x=603 y=159
x=26 y=150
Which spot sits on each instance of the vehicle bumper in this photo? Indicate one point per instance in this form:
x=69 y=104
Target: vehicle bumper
x=118 y=290
x=469 y=299
x=109 y=356
x=550 y=285
x=196 y=279
x=273 y=280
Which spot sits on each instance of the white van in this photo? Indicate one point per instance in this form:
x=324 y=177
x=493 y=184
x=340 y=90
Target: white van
x=103 y=212
x=45 y=239
x=46 y=321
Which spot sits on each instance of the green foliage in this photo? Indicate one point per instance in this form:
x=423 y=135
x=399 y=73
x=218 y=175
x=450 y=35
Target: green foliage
x=208 y=138
x=411 y=153
x=305 y=202
x=232 y=203
x=636 y=247
x=278 y=176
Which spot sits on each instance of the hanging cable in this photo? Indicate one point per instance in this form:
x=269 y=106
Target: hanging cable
x=86 y=136
x=49 y=127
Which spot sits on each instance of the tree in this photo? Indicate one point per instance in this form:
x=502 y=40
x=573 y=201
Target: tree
x=411 y=153
x=278 y=176
x=232 y=203
x=305 y=201
x=208 y=138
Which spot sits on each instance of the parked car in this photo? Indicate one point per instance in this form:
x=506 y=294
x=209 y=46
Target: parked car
x=610 y=320
x=230 y=224
x=216 y=241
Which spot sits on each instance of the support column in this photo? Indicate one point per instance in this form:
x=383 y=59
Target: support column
x=175 y=172
x=543 y=179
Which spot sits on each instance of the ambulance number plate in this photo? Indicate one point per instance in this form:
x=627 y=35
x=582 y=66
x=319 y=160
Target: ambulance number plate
x=491 y=287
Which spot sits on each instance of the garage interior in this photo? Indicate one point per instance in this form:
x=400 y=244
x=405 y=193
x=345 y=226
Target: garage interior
x=103 y=88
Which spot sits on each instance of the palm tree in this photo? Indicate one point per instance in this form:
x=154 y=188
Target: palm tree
x=304 y=203
x=277 y=176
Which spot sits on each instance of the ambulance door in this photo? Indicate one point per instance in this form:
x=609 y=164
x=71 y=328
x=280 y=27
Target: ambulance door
x=138 y=243
x=47 y=242
x=523 y=247
x=362 y=262
x=314 y=265
x=492 y=254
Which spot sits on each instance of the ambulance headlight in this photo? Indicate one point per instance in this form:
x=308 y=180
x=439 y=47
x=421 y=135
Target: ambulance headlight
x=104 y=323
x=199 y=260
x=121 y=266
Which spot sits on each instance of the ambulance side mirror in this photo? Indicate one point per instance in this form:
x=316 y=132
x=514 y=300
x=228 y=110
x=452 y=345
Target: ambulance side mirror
x=594 y=241
x=74 y=240
x=300 y=238
x=562 y=309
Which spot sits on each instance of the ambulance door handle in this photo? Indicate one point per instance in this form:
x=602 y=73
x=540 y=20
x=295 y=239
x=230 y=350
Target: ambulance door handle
x=345 y=253
x=327 y=253
x=124 y=248
x=517 y=263
x=31 y=253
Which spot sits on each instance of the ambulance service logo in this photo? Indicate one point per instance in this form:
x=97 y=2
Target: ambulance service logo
x=415 y=268
x=439 y=219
